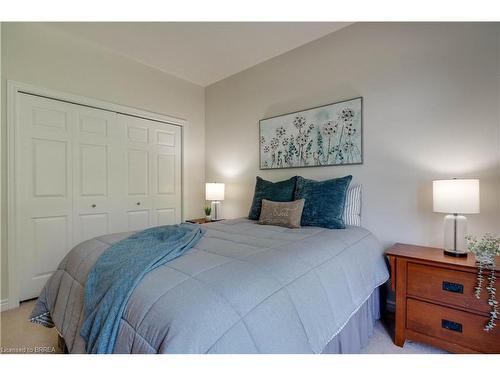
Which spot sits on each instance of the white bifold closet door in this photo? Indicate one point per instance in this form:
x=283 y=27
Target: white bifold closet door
x=83 y=172
x=96 y=171
x=44 y=190
x=152 y=173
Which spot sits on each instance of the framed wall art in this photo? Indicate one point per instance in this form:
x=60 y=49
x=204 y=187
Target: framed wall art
x=327 y=135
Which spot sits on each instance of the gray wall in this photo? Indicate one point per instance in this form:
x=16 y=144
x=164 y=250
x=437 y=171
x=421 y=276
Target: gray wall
x=431 y=96
x=41 y=55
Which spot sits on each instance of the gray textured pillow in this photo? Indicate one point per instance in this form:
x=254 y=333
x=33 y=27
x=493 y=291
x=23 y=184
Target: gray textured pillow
x=283 y=214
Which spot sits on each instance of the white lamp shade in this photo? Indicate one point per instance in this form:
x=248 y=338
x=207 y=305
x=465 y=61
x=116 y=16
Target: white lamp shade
x=214 y=191
x=457 y=196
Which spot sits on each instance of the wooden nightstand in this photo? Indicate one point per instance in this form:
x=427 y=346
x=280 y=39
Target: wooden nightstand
x=435 y=300
x=201 y=220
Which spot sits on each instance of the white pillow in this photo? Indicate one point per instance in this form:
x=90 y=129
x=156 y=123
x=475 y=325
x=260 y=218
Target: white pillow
x=352 y=209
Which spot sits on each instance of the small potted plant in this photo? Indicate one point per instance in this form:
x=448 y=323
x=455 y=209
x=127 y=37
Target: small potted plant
x=208 y=211
x=486 y=250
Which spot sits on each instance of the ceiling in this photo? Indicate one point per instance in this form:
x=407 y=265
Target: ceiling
x=200 y=52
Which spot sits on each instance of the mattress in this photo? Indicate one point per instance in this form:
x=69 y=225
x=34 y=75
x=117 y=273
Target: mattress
x=244 y=288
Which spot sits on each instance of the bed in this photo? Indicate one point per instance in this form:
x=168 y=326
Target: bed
x=243 y=288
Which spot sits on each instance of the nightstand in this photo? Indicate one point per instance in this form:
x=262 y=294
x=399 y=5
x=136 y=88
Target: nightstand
x=201 y=220
x=435 y=301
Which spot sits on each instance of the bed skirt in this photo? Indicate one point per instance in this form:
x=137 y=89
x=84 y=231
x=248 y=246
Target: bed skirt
x=350 y=340
x=358 y=330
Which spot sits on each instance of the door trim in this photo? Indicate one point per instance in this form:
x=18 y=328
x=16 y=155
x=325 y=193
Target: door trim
x=15 y=88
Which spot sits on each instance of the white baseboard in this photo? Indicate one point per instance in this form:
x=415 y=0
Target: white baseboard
x=4 y=304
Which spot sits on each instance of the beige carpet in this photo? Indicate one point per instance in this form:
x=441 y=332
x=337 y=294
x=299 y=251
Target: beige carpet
x=18 y=335
x=381 y=343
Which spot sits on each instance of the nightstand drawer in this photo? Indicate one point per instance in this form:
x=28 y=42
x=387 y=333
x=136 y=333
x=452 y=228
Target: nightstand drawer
x=454 y=326
x=446 y=286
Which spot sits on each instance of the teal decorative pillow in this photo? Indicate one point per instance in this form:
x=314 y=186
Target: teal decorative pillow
x=281 y=191
x=325 y=200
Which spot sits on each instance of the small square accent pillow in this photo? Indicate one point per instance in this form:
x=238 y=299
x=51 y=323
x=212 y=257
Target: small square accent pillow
x=283 y=214
x=325 y=201
x=281 y=191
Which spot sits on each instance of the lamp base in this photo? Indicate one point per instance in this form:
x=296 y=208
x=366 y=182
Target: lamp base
x=455 y=228
x=456 y=254
x=215 y=216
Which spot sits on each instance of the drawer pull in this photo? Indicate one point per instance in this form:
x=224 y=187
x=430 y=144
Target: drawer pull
x=452 y=326
x=453 y=287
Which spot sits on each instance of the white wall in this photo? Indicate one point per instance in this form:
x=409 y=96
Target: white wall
x=44 y=56
x=431 y=96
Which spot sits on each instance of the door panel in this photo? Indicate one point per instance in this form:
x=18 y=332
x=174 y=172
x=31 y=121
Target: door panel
x=94 y=170
x=154 y=172
x=166 y=216
x=50 y=117
x=137 y=134
x=94 y=225
x=138 y=172
x=49 y=168
x=166 y=195
x=165 y=138
x=43 y=161
x=93 y=124
x=166 y=174
x=138 y=220
x=49 y=241
x=97 y=176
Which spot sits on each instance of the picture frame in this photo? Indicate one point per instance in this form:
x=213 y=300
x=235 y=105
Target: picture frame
x=326 y=135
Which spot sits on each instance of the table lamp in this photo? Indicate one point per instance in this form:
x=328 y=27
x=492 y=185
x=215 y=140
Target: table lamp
x=455 y=197
x=214 y=192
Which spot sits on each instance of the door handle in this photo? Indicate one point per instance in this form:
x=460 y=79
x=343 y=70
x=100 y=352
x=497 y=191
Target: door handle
x=138 y=203
x=94 y=206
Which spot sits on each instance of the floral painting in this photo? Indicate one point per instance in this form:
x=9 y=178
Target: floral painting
x=327 y=135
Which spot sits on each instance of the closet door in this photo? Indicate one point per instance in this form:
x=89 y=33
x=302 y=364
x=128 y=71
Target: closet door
x=44 y=194
x=97 y=173
x=166 y=195
x=153 y=171
x=82 y=172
